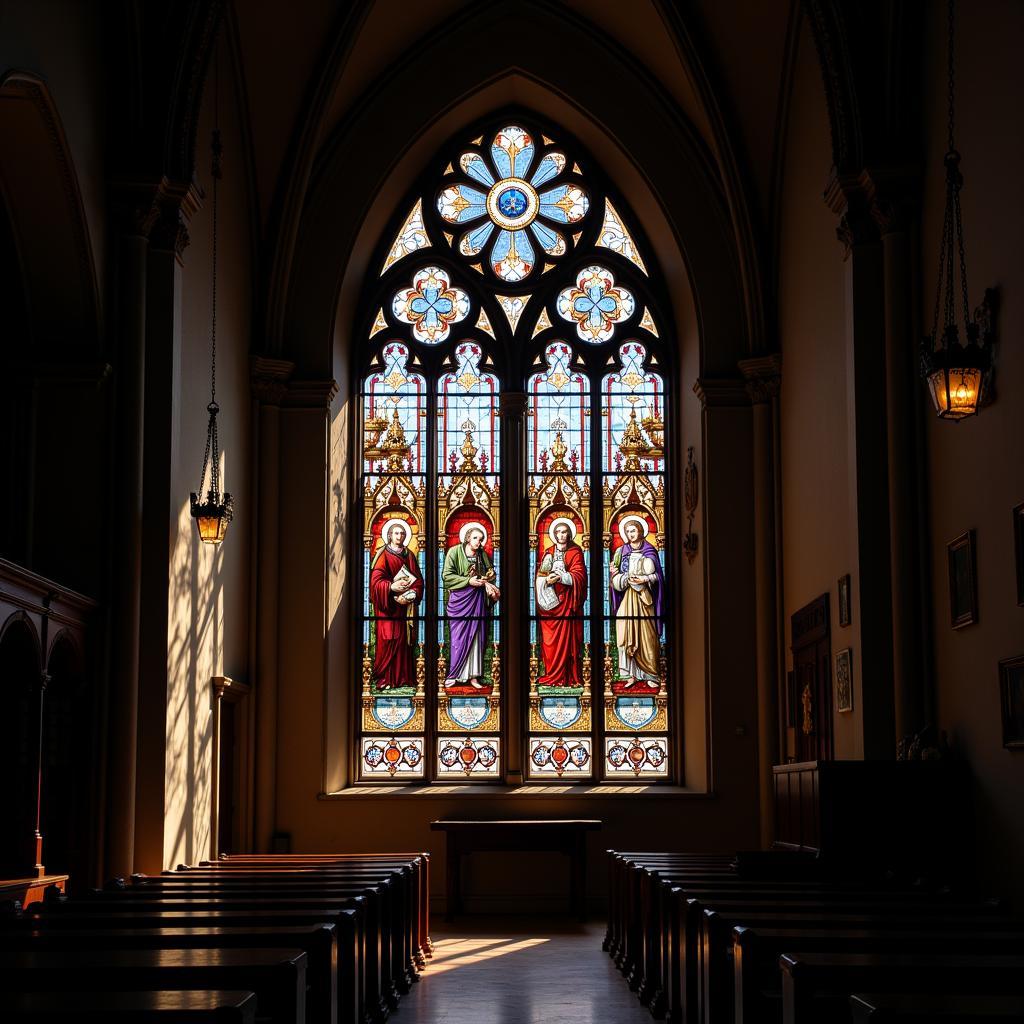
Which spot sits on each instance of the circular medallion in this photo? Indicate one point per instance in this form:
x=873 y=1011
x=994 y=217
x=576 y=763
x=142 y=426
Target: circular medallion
x=540 y=756
x=448 y=755
x=467 y=755
x=392 y=754
x=488 y=755
x=559 y=755
x=637 y=755
x=373 y=756
x=411 y=756
x=655 y=755
x=579 y=755
x=512 y=203
x=616 y=755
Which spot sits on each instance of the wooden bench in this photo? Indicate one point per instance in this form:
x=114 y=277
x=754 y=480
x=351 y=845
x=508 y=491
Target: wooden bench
x=276 y=976
x=758 y=949
x=186 y=1007
x=921 y=1007
x=318 y=942
x=199 y=929
x=816 y=987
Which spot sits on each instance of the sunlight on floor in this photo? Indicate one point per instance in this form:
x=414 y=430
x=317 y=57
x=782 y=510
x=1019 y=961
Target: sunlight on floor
x=452 y=953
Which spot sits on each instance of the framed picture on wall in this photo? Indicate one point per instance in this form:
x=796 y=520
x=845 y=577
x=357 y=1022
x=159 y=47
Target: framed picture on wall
x=844 y=680
x=1011 y=701
x=844 y=600
x=1018 y=547
x=963 y=581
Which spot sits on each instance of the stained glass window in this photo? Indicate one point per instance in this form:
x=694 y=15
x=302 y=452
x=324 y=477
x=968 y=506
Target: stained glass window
x=514 y=284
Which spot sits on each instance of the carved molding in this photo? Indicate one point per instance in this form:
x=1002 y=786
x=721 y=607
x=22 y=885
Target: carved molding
x=763 y=375
x=310 y=394
x=269 y=378
x=716 y=392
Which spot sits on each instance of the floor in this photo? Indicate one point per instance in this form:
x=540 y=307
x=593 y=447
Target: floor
x=504 y=970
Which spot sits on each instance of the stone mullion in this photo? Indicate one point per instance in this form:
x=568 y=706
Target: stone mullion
x=515 y=621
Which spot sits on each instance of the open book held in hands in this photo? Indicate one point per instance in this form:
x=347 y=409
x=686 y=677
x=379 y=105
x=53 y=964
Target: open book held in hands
x=404 y=578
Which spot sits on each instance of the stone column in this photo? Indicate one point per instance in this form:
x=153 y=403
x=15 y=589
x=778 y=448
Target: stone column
x=763 y=379
x=512 y=410
x=269 y=384
x=730 y=575
x=911 y=652
x=868 y=446
x=167 y=243
x=138 y=211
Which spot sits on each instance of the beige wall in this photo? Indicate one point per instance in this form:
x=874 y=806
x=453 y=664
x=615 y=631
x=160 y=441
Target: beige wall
x=976 y=469
x=818 y=493
x=208 y=596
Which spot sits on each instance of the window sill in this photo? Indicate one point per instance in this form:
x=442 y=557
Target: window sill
x=486 y=791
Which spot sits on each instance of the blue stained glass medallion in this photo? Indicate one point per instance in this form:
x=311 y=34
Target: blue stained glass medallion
x=468 y=712
x=635 y=712
x=392 y=712
x=560 y=712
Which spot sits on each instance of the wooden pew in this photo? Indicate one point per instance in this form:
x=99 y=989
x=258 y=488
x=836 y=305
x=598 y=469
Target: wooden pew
x=758 y=949
x=318 y=942
x=276 y=976
x=399 y=913
x=181 y=926
x=816 y=986
x=186 y=1007
x=922 y=1007
x=376 y=969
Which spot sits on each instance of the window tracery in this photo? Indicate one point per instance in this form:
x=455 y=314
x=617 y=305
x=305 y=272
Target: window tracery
x=500 y=281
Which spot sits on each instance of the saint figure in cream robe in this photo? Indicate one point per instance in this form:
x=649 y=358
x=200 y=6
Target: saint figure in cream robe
x=637 y=588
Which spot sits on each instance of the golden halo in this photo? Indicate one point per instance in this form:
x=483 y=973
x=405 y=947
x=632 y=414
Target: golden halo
x=558 y=522
x=466 y=527
x=390 y=524
x=645 y=527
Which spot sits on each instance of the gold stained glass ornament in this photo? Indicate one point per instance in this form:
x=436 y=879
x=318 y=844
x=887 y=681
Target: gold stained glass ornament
x=379 y=323
x=513 y=306
x=484 y=324
x=616 y=237
x=411 y=236
x=647 y=322
x=543 y=323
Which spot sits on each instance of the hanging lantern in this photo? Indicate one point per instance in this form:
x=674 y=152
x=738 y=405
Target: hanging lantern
x=213 y=514
x=958 y=375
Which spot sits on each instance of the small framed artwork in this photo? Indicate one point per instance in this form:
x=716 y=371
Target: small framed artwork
x=1011 y=700
x=844 y=600
x=844 y=680
x=1018 y=547
x=963 y=581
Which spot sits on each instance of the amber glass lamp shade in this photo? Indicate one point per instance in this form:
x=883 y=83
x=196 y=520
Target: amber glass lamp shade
x=212 y=517
x=955 y=392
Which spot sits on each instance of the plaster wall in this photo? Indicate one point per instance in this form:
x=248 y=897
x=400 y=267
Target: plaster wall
x=208 y=587
x=975 y=469
x=818 y=494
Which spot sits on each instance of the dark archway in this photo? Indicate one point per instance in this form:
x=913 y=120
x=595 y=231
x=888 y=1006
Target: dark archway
x=68 y=755
x=19 y=688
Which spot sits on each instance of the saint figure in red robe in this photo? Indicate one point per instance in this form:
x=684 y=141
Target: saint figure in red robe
x=561 y=589
x=396 y=587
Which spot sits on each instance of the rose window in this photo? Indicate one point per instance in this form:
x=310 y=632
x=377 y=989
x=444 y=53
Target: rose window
x=515 y=205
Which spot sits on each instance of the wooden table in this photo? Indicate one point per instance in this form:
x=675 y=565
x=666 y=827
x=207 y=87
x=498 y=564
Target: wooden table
x=561 y=836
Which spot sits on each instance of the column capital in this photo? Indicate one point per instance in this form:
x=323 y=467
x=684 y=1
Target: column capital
x=158 y=210
x=512 y=404
x=763 y=376
x=310 y=394
x=871 y=203
x=269 y=378
x=715 y=392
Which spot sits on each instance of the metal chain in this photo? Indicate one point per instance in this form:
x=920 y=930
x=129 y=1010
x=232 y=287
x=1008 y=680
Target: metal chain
x=949 y=71
x=212 y=447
